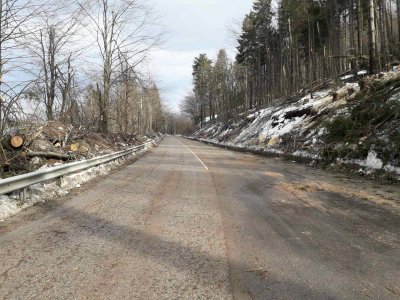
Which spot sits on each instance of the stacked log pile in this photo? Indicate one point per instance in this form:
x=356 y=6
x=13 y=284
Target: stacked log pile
x=32 y=145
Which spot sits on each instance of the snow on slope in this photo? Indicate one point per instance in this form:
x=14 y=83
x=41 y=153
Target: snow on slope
x=300 y=128
x=269 y=125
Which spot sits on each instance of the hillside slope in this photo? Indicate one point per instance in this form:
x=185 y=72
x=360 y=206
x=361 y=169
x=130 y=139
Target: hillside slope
x=356 y=125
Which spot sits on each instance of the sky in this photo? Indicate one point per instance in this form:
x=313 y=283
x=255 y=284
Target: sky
x=192 y=27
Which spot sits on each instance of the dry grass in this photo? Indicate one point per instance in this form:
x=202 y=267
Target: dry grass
x=301 y=190
x=273 y=174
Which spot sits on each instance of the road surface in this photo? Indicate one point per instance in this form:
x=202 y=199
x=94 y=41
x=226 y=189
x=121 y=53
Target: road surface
x=191 y=221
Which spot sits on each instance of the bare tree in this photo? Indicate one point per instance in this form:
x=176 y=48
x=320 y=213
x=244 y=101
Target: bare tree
x=51 y=47
x=69 y=110
x=398 y=20
x=176 y=124
x=121 y=27
x=371 y=36
x=190 y=107
x=14 y=16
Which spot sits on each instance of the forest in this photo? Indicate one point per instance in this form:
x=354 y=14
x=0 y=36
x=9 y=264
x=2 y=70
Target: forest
x=288 y=47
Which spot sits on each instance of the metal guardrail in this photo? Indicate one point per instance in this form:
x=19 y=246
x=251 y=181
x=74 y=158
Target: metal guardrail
x=21 y=182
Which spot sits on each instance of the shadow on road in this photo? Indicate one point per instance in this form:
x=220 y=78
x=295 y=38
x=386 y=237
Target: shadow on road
x=193 y=262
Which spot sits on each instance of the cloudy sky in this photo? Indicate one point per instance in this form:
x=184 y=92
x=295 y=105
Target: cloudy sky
x=193 y=27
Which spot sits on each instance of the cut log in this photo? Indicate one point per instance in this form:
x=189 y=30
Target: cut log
x=49 y=155
x=17 y=141
x=13 y=142
x=74 y=147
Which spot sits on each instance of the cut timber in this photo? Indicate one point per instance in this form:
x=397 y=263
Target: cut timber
x=13 y=142
x=49 y=155
x=74 y=147
x=17 y=141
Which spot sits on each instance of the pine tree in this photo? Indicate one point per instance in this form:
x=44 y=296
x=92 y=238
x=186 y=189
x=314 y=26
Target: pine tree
x=221 y=82
x=201 y=79
x=304 y=44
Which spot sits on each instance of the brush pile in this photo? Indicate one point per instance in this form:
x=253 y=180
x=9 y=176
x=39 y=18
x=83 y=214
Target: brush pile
x=30 y=146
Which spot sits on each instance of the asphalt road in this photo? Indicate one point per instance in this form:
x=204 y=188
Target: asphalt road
x=190 y=221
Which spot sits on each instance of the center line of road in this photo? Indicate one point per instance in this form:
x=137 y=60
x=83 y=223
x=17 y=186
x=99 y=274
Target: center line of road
x=194 y=155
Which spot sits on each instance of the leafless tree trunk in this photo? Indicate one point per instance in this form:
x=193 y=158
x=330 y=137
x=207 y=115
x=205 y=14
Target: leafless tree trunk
x=371 y=36
x=14 y=14
x=69 y=107
x=398 y=23
x=50 y=70
x=120 y=29
x=360 y=26
x=1 y=66
x=51 y=49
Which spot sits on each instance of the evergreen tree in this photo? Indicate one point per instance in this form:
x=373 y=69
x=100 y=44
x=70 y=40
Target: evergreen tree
x=298 y=47
x=202 y=67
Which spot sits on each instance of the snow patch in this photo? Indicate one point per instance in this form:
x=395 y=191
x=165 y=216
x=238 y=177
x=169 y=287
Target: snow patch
x=305 y=154
x=392 y=169
x=208 y=119
x=8 y=206
x=372 y=162
x=395 y=97
x=347 y=77
x=316 y=95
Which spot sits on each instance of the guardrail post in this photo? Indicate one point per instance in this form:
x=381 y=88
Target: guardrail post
x=22 y=195
x=61 y=181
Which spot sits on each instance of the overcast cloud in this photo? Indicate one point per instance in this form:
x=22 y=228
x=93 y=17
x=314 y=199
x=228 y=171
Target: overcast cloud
x=194 y=27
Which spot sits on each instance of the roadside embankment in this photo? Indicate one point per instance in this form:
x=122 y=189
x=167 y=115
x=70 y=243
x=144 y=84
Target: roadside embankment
x=354 y=127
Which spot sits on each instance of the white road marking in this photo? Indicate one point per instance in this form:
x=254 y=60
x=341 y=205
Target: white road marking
x=194 y=154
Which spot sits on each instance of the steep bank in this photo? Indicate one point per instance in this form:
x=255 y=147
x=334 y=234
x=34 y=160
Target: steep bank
x=356 y=125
